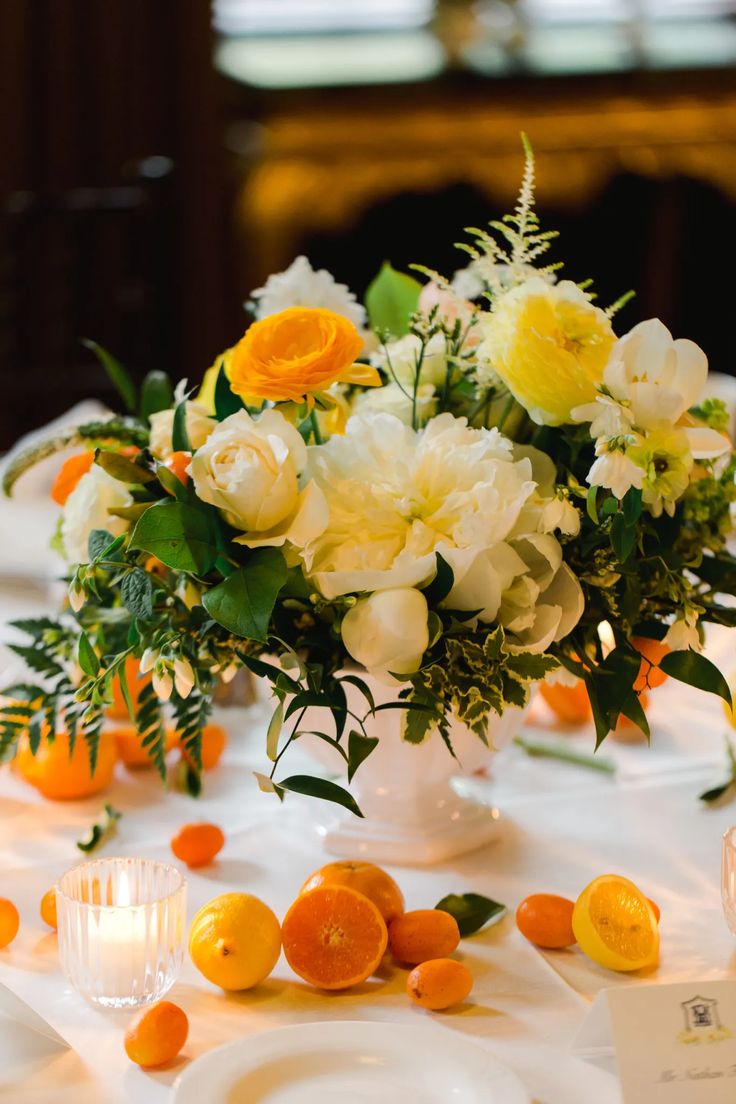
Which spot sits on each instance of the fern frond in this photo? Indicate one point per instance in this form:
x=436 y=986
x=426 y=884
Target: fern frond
x=191 y=714
x=619 y=303
x=150 y=727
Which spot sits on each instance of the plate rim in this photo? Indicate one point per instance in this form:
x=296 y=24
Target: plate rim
x=463 y=1042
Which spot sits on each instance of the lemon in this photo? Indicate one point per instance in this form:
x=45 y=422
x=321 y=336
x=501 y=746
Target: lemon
x=615 y=924
x=235 y=941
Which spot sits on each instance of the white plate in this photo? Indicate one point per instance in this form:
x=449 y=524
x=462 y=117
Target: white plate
x=346 y=1062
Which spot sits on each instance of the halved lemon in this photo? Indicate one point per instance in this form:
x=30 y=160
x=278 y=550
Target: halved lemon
x=615 y=924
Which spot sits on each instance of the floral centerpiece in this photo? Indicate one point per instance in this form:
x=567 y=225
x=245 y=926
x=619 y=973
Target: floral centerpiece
x=450 y=489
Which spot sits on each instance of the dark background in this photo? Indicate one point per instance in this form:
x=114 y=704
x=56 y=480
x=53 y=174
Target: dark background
x=144 y=192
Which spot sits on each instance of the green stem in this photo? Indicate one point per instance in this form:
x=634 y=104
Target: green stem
x=315 y=428
x=540 y=749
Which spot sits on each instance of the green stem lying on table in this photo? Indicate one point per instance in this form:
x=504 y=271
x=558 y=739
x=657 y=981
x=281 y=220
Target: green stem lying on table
x=542 y=749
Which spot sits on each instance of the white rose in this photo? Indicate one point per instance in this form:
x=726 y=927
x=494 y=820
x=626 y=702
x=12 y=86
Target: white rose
x=87 y=508
x=199 y=427
x=301 y=285
x=400 y=359
x=387 y=633
x=250 y=468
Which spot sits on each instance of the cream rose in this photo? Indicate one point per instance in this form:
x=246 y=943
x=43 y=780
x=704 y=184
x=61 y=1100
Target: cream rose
x=250 y=469
x=87 y=508
x=387 y=632
x=199 y=427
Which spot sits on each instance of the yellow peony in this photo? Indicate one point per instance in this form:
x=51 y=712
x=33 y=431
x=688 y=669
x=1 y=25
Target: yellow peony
x=290 y=355
x=549 y=344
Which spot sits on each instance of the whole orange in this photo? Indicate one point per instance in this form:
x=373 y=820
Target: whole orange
x=197 y=844
x=439 y=983
x=48 y=908
x=117 y=709
x=570 y=704
x=368 y=879
x=62 y=777
x=214 y=742
x=423 y=934
x=157 y=1035
x=653 y=652
x=178 y=463
x=546 y=919
x=131 y=750
x=9 y=922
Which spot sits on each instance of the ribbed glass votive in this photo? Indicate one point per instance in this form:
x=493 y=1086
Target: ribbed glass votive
x=121 y=925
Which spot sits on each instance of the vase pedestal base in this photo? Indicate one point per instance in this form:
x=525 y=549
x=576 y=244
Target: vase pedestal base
x=450 y=828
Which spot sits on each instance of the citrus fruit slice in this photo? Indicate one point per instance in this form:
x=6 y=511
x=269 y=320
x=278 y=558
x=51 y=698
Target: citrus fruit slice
x=615 y=924
x=368 y=879
x=334 y=937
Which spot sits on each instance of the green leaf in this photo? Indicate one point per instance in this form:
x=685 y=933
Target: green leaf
x=125 y=690
x=226 y=401
x=623 y=538
x=118 y=375
x=88 y=660
x=442 y=583
x=156 y=394
x=182 y=536
x=136 y=592
x=359 y=748
x=631 y=506
x=244 y=602
x=590 y=504
x=321 y=788
x=471 y=910
x=101 y=831
x=718 y=791
x=179 y=436
x=546 y=749
x=121 y=468
x=631 y=707
x=391 y=299
x=361 y=685
x=695 y=670
x=98 y=542
x=274 y=731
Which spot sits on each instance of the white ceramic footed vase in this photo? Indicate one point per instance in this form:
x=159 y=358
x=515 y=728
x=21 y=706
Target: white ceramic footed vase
x=412 y=815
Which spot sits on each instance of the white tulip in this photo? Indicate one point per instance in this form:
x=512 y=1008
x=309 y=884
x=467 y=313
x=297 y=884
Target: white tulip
x=199 y=426
x=387 y=633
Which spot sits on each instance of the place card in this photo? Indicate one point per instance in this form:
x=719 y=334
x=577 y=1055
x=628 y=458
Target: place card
x=673 y=1044
x=17 y=1010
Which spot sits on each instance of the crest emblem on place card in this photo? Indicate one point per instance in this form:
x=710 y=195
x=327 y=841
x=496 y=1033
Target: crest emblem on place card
x=702 y=1022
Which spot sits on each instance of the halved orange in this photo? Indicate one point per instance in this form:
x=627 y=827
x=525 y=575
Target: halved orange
x=615 y=924
x=369 y=879
x=334 y=937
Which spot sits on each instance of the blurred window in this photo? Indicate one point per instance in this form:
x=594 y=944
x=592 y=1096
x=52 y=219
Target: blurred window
x=239 y=17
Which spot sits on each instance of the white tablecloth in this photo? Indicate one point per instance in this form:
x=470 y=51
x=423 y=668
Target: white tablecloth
x=563 y=826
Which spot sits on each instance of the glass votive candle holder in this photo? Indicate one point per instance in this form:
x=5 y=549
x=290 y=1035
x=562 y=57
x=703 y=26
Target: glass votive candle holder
x=121 y=925
x=728 y=878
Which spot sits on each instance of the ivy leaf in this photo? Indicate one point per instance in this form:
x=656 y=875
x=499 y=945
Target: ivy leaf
x=179 y=435
x=359 y=748
x=102 y=831
x=226 y=401
x=136 y=592
x=695 y=670
x=391 y=299
x=180 y=535
x=442 y=583
x=471 y=910
x=117 y=375
x=121 y=468
x=88 y=660
x=243 y=603
x=156 y=394
x=321 y=788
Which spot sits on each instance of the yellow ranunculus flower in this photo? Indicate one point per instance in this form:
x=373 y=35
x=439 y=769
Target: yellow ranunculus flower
x=290 y=355
x=549 y=344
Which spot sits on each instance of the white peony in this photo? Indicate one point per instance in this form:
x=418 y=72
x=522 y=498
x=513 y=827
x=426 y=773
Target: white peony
x=302 y=286
x=393 y=399
x=397 y=496
x=250 y=469
x=199 y=427
x=387 y=632
x=400 y=361
x=87 y=508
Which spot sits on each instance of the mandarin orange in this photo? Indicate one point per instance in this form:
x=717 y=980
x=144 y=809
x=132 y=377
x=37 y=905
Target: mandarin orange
x=370 y=880
x=334 y=937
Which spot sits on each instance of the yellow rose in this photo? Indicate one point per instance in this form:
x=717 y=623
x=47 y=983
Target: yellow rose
x=290 y=355
x=549 y=344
